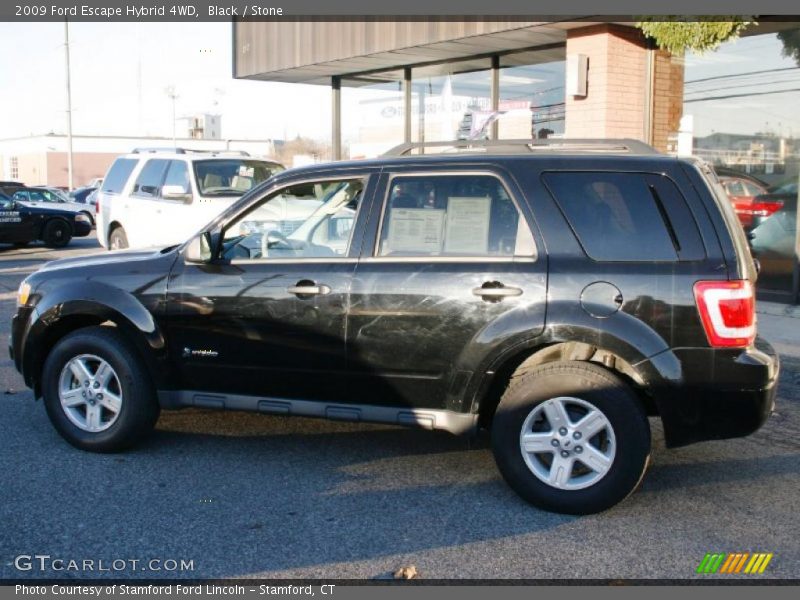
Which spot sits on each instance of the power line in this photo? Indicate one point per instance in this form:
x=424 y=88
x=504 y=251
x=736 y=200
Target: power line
x=742 y=74
x=739 y=85
x=740 y=95
x=770 y=77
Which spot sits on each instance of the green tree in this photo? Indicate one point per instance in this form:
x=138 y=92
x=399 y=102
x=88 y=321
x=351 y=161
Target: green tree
x=791 y=44
x=699 y=36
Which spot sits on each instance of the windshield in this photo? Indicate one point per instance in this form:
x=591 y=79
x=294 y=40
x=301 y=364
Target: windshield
x=61 y=195
x=232 y=177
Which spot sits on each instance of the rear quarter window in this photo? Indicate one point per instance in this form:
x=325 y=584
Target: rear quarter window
x=117 y=175
x=627 y=216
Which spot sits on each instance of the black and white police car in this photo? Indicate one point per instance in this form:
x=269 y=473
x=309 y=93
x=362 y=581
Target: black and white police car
x=21 y=224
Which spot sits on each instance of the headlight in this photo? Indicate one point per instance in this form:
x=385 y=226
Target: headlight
x=81 y=218
x=23 y=293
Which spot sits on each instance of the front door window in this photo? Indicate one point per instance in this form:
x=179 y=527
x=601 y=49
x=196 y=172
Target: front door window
x=307 y=220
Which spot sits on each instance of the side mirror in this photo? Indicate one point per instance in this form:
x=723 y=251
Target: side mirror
x=176 y=192
x=198 y=250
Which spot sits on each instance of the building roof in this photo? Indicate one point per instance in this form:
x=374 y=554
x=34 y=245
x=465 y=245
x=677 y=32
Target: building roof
x=280 y=51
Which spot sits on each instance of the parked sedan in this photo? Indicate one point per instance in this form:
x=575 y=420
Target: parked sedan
x=9 y=187
x=44 y=196
x=743 y=192
x=81 y=195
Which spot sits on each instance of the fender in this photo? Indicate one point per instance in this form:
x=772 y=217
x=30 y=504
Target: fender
x=98 y=302
x=622 y=334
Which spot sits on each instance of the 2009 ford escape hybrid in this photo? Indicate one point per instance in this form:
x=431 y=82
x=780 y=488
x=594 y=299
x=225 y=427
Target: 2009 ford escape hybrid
x=556 y=293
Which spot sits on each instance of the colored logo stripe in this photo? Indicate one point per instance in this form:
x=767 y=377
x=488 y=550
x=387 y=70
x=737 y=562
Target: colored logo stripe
x=734 y=562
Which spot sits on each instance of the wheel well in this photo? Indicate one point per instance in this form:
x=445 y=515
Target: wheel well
x=574 y=351
x=62 y=328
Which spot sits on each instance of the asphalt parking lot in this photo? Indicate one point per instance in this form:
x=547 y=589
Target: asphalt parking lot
x=249 y=495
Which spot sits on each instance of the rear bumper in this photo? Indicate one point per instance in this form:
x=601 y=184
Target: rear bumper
x=722 y=393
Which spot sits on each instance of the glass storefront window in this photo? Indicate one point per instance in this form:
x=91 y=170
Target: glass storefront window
x=740 y=106
x=448 y=99
x=532 y=94
x=372 y=114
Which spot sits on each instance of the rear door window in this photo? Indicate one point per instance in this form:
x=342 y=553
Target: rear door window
x=452 y=215
x=118 y=175
x=627 y=216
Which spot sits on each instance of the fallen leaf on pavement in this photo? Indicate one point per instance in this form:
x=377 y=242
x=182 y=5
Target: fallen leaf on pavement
x=409 y=572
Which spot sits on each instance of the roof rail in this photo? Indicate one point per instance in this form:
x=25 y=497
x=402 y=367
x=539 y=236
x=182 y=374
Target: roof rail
x=590 y=145
x=172 y=150
x=189 y=150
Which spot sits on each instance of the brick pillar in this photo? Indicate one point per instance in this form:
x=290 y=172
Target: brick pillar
x=615 y=104
x=667 y=99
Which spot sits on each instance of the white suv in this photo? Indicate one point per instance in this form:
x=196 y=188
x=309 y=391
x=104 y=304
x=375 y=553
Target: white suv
x=153 y=197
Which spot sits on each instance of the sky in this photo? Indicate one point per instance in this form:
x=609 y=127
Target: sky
x=745 y=68
x=121 y=71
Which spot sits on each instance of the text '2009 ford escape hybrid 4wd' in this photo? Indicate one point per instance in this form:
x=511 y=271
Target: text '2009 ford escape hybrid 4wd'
x=556 y=293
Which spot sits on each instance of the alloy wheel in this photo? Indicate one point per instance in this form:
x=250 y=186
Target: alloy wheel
x=568 y=443
x=90 y=393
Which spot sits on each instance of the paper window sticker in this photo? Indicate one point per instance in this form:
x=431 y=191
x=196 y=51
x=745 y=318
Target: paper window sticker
x=416 y=230
x=467 y=227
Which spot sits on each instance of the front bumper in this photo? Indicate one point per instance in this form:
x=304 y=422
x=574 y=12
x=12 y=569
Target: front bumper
x=19 y=326
x=722 y=393
x=82 y=229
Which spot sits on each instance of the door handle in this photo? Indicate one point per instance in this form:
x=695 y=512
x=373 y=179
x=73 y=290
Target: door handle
x=495 y=291
x=309 y=289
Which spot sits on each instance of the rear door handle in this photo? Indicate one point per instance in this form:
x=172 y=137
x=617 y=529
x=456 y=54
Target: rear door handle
x=496 y=291
x=309 y=289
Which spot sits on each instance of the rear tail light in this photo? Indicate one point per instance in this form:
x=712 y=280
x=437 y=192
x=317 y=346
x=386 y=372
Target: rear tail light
x=758 y=209
x=728 y=312
x=765 y=209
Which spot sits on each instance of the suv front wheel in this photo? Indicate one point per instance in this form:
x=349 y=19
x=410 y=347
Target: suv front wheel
x=570 y=437
x=97 y=391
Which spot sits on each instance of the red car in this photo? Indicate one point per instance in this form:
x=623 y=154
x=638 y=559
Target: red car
x=742 y=191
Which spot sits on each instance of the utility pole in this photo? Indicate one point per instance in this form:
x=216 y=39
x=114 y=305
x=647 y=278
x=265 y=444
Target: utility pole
x=69 y=107
x=173 y=96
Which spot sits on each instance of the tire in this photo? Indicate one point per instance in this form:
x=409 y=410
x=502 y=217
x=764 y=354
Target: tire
x=56 y=233
x=128 y=389
x=614 y=442
x=20 y=244
x=117 y=240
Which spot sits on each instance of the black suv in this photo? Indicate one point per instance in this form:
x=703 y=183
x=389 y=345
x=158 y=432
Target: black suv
x=556 y=293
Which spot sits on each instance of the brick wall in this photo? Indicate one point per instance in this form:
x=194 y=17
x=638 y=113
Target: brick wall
x=667 y=98
x=617 y=86
x=85 y=167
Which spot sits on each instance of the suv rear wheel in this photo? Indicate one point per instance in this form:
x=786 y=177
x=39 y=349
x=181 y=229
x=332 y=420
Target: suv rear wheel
x=570 y=437
x=97 y=392
x=117 y=240
x=57 y=233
